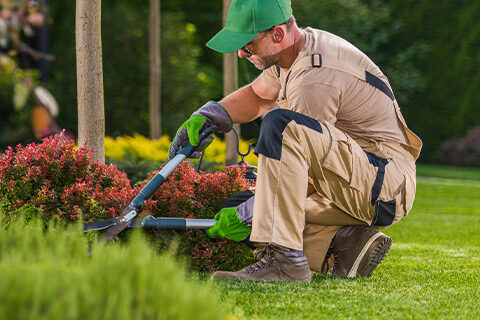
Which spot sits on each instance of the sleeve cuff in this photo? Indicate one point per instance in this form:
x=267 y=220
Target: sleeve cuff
x=216 y=115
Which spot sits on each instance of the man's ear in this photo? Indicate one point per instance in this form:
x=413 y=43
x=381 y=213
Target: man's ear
x=278 y=34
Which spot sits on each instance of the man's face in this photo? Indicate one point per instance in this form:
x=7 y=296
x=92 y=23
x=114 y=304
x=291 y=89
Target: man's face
x=262 y=63
x=259 y=51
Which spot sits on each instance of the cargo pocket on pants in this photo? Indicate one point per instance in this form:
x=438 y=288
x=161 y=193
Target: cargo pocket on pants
x=384 y=213
x=388 y=212
x=340 y=160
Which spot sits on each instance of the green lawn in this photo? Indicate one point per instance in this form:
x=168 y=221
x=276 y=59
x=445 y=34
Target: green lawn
x=431 y=272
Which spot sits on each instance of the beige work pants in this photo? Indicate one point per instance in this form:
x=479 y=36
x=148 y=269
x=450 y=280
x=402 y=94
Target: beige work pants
x=353 y=186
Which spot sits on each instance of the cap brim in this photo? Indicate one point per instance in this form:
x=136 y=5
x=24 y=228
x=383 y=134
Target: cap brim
x=226 y=41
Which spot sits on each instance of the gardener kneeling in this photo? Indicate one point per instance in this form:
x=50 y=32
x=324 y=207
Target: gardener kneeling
x=336 y=160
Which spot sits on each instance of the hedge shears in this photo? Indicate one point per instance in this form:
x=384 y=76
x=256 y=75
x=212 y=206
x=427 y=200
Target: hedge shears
x=125 y=220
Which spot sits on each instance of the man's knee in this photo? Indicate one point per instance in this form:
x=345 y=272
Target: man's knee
x=273 y=126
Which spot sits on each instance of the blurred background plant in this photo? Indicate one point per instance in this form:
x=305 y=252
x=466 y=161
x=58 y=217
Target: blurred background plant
x=137 y=147
x=50 y=274
x=15 y=105
x=20 y=23
x=464 y=151
x=141 y=148
x=137 y=155
x=186 y=84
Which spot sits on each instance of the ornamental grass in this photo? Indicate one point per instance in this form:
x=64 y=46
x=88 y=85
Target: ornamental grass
x=51 y=275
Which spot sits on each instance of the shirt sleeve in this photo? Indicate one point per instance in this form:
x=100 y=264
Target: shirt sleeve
x=316 y=100
x=271 y=78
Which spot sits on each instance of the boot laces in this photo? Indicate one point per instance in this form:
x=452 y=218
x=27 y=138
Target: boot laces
x=265 y=256
x=326 y=266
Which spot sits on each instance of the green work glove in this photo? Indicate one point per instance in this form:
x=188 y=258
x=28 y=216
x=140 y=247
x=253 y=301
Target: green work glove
x=229 y=226
x=193 y=126
x=211 y=113
x=190 y=131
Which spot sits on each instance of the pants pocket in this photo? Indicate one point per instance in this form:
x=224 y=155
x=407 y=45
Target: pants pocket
x=384 y=213
x=340 y=159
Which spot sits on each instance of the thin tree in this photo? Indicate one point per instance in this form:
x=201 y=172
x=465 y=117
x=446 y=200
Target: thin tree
x=230 y=84
x=155 y=71
x=91 y=114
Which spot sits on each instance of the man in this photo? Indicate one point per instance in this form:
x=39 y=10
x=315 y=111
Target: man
x=336 y=159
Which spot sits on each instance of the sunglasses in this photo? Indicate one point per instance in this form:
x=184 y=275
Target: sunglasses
x=249 y=52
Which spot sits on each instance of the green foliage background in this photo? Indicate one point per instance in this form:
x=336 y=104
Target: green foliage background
x=449 y=105
x=185 y=83
x=428 y=49
x=14 y=124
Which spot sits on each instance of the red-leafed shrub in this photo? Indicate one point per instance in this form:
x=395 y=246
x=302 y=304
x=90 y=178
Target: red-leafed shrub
x=464 y=151
x=189 y=194
x=53 y=180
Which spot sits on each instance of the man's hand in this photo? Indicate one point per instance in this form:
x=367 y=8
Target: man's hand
x=189 y=131
x=211 y=113
x=229 y=226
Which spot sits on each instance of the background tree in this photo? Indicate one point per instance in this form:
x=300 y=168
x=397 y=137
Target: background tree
x=186 y=84
x=155 y=71
x=91 y=114
x=230 y=84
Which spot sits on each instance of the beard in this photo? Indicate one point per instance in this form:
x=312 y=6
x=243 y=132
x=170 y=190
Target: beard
x=262 y=63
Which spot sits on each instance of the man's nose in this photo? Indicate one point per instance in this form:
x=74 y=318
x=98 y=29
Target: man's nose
x=241 y=53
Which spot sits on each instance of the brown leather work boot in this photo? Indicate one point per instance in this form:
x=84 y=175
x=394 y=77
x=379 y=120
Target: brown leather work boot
x=276 y=264
x=357 y=250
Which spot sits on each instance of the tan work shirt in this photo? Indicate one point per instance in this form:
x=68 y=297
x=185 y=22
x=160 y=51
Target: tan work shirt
x=343 y=100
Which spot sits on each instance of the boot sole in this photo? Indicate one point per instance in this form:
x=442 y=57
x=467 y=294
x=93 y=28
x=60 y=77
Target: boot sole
x=373 y=259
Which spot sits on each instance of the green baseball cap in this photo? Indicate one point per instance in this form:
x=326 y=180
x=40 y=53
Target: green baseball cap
x=246 y=19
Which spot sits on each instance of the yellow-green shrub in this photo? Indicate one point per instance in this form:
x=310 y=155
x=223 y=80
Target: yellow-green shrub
x=138 y=147
x=141 y=148
x=50 y=275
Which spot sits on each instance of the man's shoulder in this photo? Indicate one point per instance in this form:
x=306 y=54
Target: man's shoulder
x=322 y=33
x=338 y=48
x=324 y=40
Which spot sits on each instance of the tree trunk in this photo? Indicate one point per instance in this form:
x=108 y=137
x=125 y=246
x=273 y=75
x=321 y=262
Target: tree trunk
x=42 y=44
x=155 y=71
x=230 y=84
x=91 y=114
